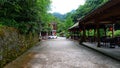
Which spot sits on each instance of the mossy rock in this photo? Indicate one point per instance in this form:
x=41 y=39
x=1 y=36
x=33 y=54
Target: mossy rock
x=2 y=34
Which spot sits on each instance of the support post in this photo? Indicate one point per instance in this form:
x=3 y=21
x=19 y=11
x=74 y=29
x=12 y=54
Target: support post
x=98 y=35
x=84 y=33
x=89 y=39
x=88 y=33
x=112 y=30
x=94 y=34
x=74 y=35
x=77 y=34
x=105 y=35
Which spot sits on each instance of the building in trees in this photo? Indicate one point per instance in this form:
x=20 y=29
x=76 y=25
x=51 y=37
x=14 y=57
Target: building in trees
x=54 y=28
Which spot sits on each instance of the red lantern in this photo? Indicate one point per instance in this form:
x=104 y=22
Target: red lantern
x=110 y=28
x=80 y=30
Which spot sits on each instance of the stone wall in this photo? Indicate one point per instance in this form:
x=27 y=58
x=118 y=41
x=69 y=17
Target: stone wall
x=13 y=44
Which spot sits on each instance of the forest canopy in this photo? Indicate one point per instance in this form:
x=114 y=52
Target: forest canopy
x=85 y=9
x=25 y=15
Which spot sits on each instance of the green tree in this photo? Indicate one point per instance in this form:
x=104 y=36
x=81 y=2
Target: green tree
x=25 y=15
x=89 y=6
x=64 y=25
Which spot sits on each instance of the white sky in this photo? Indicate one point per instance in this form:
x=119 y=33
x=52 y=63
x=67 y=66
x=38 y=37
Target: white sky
x=65 y=6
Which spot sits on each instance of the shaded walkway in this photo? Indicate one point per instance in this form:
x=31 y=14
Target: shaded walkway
x=111 y=52
x=62 y=53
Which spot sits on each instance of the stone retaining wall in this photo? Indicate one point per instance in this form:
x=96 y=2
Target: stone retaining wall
x=13 y=44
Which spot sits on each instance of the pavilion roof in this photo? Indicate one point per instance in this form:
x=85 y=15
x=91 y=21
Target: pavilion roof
x=108 y=12
x=103 y=15
x=76 y=25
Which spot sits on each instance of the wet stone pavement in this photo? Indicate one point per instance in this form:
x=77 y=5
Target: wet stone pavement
x=63 y=53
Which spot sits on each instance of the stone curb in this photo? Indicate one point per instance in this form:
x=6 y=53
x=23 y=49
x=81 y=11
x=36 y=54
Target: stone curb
x=101 y=52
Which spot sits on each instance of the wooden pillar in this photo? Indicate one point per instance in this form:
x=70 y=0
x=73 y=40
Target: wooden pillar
x=105 y=31
x=105 y=35
x=98 y=35
x=74 y=35
x=89 y=39
x=94 y=34
x=70 y=35
x=84 y=33
x=88 y=32
x=80 y=34
x=77 y=34
x=112 y=30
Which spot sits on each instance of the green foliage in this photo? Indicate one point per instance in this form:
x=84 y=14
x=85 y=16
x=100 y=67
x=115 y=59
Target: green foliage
x=61 y=17
x=102 y=33
x=61 y=27
x=89 y=6
x=26 y=15
x=90 y=32
x=109 y=33
x=68 y=21
x=64 y=25
x=29 y=17
x=1 y=25
x=117 y=33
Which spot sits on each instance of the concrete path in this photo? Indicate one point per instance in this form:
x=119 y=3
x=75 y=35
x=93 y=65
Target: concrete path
x=62 y=53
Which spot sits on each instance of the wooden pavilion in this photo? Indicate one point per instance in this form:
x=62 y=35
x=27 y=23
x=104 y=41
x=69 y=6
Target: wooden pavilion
x=107 y=14
x=74 y=31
